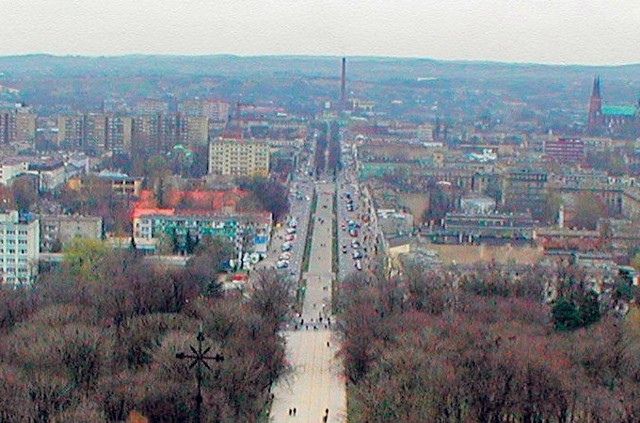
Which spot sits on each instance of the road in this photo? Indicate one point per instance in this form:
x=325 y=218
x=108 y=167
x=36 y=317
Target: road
x=317 y=382
x=300 y=200
x=349 y=190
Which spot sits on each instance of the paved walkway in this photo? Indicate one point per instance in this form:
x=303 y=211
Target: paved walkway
x=316 y=383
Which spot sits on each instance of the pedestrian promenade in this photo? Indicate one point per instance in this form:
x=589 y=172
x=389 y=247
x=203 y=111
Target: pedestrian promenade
x=316 y=383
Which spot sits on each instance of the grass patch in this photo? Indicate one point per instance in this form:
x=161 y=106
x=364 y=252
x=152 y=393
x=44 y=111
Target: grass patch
x=334 y=237
x=302 y=288
x=307 y=244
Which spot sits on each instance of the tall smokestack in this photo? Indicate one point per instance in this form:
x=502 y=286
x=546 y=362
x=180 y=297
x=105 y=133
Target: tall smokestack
x=343 y=83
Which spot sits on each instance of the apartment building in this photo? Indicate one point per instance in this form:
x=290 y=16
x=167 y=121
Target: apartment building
x=58 y=231
x=150 y=106
x=239 y=158
x=248 y=231
x=19 y=247
x=215 y=110
x=118 y=131
x=194 y=130
x=17 y=124
x=10 y=167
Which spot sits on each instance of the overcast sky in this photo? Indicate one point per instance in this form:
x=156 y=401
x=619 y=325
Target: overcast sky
x=543 y=31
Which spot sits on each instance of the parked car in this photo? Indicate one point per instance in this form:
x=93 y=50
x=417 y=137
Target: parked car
x=357 y=255
x=284 y=256
x=289 y=237
x=358 y=265
x=282 y=264
x=286 y=246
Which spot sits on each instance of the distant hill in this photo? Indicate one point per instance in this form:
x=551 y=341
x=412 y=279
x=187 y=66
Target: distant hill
x=361 y=68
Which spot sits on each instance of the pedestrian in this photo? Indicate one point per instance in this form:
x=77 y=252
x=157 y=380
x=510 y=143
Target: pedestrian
x=294 y=411
x=290 y=412
x=328 y=345
x=326 y=411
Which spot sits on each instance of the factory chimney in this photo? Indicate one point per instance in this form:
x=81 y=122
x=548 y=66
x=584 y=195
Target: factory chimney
x=343 y=84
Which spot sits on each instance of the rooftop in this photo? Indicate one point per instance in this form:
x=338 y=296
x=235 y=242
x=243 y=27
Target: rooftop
x=619 y=110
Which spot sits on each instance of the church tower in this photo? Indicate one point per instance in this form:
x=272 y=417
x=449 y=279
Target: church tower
x=595 y=121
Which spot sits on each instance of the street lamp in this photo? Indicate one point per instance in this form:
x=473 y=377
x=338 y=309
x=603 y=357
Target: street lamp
x=199 y=357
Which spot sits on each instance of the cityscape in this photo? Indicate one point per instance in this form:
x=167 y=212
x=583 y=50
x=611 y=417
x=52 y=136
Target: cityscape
x=318 y=238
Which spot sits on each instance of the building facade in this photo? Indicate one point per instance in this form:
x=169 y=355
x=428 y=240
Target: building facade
x=58 y=231
x=19 y=248
x=490 y=227
x=565 y=150
x=17 y=124
x=246 y=230
x=10 y=167
x=524 y=189
x=239 y=158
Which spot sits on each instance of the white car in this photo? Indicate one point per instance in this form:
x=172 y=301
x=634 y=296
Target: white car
x=282 y=264
x=285 y=256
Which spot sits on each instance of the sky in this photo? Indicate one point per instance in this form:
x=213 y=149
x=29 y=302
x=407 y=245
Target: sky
x=595 y=32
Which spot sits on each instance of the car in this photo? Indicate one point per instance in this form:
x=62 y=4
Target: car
x=357 y=255
x=286 y=246
x=353 y=233
x=293 y=223
x=285 y=256
x=282 y=264
x=358 y=265
x=289 y=237
x=291 y=230
x=355 y=244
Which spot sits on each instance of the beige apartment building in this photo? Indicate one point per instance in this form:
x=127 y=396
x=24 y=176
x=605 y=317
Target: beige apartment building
x=238 y=158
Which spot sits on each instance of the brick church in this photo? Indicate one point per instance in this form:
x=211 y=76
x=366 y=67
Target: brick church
x=616 y=120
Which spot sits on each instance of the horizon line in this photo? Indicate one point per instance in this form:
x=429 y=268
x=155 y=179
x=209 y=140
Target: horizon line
x=319 y=56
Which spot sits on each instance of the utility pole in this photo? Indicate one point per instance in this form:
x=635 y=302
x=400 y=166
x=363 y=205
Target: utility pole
x=199 y=358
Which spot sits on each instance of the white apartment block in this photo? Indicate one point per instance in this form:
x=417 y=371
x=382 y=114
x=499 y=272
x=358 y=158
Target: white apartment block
x=19 y=248
x=10 y=168
x=239 y=158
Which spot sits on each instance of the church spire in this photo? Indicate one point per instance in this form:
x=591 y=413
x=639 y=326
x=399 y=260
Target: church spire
x=595 y=121
x=596 y=88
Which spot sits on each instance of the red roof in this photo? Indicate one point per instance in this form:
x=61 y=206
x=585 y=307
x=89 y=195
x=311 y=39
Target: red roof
x=192 y=201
